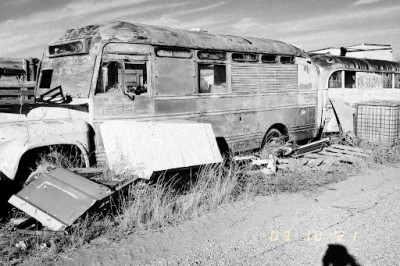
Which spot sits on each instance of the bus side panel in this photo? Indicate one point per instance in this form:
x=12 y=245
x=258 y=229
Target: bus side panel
x=174 y=76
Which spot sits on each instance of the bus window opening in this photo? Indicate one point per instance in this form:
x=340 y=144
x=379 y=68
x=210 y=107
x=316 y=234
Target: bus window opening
x=397 y=81
x=387 y=80
x=212 y=78
x=335 y=80
x=128 y=78
x=45 y=80
x=349 y=79
x=135 y=78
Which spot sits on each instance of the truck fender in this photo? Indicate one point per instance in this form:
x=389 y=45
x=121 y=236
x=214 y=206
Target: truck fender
x=32 y=135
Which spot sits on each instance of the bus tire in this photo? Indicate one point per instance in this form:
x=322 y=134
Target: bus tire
x=272 y=135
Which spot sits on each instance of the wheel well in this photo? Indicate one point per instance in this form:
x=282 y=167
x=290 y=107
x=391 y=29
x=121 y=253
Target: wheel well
x=60 y=155
x=281 y=127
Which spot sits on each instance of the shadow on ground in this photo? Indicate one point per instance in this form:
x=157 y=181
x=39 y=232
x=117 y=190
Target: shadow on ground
x=7 y=189
x=337 y=255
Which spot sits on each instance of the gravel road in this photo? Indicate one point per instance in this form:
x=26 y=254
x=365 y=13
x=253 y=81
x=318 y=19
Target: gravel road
x=356 y=219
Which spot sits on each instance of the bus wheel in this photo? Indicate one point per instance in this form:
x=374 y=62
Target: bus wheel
x=272 y=141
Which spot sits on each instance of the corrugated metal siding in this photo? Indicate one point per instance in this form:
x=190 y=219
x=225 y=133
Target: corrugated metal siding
x=258 y=78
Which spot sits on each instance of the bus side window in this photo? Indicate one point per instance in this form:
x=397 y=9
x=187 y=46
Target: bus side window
x=335 y=80
x=387 y=80
x=124 y=78
x=110 y=81
x=349 y=79
x=397 y=81
x=212 y=78
x=45 y=78
x=135 y=78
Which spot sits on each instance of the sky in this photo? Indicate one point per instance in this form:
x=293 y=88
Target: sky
x=28 y=26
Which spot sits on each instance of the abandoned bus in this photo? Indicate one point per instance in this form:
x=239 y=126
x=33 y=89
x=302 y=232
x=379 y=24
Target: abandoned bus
x=246 y=88
x=346 y=81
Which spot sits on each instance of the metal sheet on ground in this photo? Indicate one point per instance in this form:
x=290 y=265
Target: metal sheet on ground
x=58 y=198
x=142 y=148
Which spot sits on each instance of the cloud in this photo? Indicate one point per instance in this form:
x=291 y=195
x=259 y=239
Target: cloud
x=39 y=28
x=256 y=27
x=364 y=2
x=342 y=38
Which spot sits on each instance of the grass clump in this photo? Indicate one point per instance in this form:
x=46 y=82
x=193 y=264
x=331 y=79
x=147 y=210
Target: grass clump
x=160 y=204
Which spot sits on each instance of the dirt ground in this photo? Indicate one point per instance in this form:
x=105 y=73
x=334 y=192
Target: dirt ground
x=357 y=217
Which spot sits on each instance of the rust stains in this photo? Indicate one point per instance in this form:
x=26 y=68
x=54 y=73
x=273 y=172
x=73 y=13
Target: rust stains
x=333 y=62
x=154 y=35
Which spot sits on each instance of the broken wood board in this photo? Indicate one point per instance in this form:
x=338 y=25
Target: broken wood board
x=142 y=148
x=335 y=153
x=349 y=148
x=58 y=198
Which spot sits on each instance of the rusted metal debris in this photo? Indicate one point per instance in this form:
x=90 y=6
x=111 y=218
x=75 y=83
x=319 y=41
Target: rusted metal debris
x=312 y=147
x=318 y=153
x=58 y=198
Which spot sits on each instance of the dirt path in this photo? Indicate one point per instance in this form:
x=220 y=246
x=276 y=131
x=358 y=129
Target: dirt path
x=362 y=212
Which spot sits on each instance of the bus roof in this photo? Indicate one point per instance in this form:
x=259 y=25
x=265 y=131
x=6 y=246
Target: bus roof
x=139 y=33
x=350 y=63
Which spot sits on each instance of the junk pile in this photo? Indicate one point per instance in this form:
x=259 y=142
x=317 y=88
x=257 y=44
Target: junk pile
x=319 y=153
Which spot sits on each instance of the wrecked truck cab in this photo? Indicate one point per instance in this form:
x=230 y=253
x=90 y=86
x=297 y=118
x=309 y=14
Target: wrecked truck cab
x=16 y=139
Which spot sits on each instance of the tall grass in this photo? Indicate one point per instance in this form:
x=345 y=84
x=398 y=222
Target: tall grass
x=160 y=205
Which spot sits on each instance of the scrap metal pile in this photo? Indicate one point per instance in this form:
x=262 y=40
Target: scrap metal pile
x=315 y=154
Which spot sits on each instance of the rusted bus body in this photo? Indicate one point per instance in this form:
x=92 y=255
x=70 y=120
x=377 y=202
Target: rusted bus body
x=242 y=86
x=346 y=81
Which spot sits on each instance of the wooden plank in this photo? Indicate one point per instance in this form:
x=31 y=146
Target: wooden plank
x=244 y=158
x=314 y=155
x=283 y=166
x=356 y=149
x=341 y=157
x=10 y=84
x=344 y=159
x=329 y=162
x=346 y=152
x=16 y=101
x=285 y=160
x=16 y=93
x=336 y=154
x=315 y=162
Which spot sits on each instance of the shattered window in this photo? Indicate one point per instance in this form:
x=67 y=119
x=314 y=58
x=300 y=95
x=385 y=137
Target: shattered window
x=212 y=55
x=135 y=78
x=125 y=78
x=244 y=57
x=76 y=47
x=349 y=79
x=335 y=80
x=45 y=80
x=179 y=53
x=212 y=78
